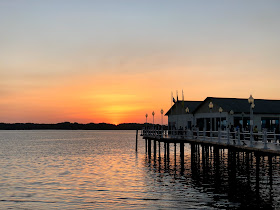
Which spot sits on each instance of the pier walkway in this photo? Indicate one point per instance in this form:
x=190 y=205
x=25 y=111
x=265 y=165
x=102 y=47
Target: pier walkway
x=265 y=142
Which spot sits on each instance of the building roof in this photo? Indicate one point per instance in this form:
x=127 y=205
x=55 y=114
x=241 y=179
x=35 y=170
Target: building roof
x=192 y=105
x=239 y=105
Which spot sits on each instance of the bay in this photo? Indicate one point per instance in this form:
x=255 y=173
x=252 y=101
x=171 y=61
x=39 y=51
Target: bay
x=59 y=169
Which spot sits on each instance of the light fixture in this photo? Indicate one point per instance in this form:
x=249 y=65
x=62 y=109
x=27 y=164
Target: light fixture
x=251 y=99
x=211 y=105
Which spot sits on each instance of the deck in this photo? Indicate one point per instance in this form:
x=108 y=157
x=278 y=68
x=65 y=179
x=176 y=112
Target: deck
x=264 y=142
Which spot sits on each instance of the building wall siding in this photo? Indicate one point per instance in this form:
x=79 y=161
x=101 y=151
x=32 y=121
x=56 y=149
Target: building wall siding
x=180 y=120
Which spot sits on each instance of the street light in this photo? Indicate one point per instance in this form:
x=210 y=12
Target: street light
x=187 y=111
x=251 y=99
x=231 y=113
x=211 y=107
x=242 y=120
x=146 y=115
x=153 y=113
x=252 y=106
x=220 y=110
x=146 y=119
x=161 y=111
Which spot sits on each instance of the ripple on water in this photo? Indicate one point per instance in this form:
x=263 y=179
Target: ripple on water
x=99 y=169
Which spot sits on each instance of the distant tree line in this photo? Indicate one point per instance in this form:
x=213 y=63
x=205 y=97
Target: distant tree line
x=72 y=126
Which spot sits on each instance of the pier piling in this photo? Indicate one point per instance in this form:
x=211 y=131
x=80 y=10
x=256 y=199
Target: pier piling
x=182 y=154
x=149 y=148
x=146 y=145
x=167 y=151
x=136 y=143
x=155 y=149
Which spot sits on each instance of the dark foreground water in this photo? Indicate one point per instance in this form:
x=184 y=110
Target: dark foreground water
x=100 y=170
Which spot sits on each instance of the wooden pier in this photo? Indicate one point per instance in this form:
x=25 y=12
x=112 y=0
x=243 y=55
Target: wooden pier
x=267 y=142
x=215 y=159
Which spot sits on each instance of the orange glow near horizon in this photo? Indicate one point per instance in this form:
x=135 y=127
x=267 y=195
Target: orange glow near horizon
x=114 y=99
x=117 y=101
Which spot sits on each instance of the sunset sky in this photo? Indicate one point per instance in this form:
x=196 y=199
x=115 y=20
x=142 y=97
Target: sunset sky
x=114 y=61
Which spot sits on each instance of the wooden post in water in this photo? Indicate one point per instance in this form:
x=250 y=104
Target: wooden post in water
x=136 y=146
x=164 y=151
x=159 y=151
x=146 y=145
x=175 y=153
x=182 y=156
x=155 y=149
x=149 y=148
x=167 y=151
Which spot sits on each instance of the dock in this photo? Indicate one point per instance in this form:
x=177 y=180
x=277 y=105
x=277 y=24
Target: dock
x=266 y=143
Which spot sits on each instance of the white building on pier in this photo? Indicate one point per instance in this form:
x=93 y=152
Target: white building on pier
x=223 y=112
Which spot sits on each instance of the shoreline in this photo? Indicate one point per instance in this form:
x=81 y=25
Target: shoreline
x=71 y=126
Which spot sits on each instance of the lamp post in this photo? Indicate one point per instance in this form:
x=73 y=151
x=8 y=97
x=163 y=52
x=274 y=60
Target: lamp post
x=187 y=111
x=220 y=110
x=211 y=107
x=161 y=111
x=242 y=114
x=153 y=113
x=220 y=129
x=252 y=105
x=146 y=115
x=231 y=113
x=231 y=116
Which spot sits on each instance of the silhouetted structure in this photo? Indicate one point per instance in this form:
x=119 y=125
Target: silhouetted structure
x=244 y=179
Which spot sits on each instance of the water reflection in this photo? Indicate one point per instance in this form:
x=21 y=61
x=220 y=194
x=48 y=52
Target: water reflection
x=234 y=179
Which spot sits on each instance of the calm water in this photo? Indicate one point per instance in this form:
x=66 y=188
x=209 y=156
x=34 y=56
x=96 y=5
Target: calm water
x=100 y=170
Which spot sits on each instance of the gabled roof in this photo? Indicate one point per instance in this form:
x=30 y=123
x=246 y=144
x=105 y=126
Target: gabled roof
x=239 y=105
x=192 y=105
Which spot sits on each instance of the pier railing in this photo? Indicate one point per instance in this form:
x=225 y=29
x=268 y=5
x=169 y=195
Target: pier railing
x=262 y=140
